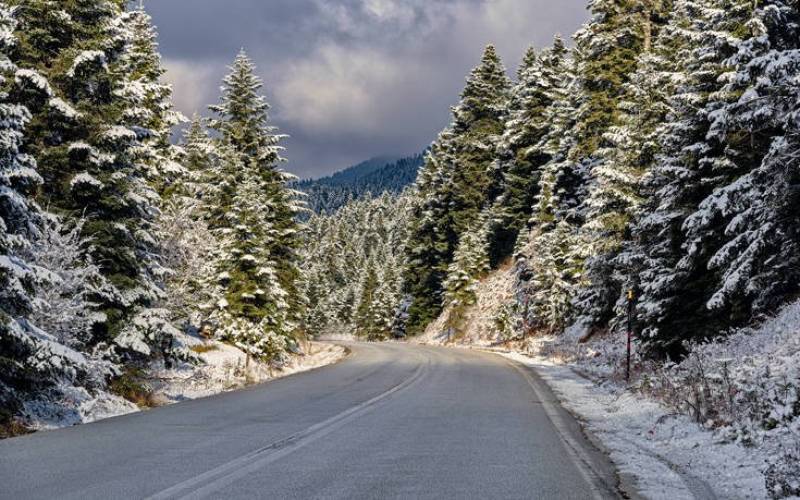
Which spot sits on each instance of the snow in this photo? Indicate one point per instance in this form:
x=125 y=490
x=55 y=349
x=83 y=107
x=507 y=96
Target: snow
x=73 y=406
x=721 y=423
x=28 y=75
x=118 y=133
x=64 y=108
x=223 y=369
x=668 y=455
x=479 y=321
x=86 y=179
x=87 y=56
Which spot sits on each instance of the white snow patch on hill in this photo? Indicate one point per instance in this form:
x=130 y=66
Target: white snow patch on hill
x=478 y=324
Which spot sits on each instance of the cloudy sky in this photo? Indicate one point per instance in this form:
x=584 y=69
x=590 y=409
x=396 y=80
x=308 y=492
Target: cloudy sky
x=350 y=79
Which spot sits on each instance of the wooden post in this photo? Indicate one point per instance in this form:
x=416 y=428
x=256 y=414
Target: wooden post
x=631 y=298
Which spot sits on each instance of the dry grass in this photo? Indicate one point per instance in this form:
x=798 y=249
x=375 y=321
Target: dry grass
x=12 y=427
x=131 y=386
x=201 y=348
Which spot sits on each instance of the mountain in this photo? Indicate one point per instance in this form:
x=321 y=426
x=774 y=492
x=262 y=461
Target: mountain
x=367 y=179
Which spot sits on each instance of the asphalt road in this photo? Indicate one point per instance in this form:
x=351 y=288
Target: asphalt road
x=390 y=421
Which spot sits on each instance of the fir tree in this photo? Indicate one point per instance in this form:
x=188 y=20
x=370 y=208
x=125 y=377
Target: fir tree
x=616 y=42
x=150 y=111
x=242 y=121
x=756 y=256
x=20 y=220
x=553 y=244
x=456 y=184
x=672 y=285
x=521 y=155
x=470 y=264
x=72 y=75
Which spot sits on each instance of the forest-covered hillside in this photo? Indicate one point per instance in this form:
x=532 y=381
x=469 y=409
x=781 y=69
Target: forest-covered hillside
x=371 y=178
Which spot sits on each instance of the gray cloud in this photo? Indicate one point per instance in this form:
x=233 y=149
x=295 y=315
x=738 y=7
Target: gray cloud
x=350 y=79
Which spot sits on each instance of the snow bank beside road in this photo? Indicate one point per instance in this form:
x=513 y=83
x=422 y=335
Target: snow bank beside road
x=727 y=415
x=667 y=455
x=225 y=368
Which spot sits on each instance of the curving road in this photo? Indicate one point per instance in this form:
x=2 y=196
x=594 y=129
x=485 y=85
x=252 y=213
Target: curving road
x=390 y=421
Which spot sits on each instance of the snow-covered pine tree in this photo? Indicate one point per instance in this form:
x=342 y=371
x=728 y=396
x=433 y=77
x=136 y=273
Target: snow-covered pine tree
x=254 y=212
x=20 y=221
x=757 y=254
x=470 y=264
x=368 y=288
x=72 y=77
x=610 y=120
x=44 y=273
x=520 y=155
x=555 y=278
x=559 y=205
x=429 y=235
x=673 y=286
x=63 y=304
x=182 y=230
x=630 y=150
x=457 y=182
x=150 y=110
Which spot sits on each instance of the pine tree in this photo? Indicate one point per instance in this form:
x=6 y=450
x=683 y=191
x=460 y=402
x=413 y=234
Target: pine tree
x=553 y=245
x=20 y=220
x=611 y=122
x=150 y=111
x=457 y=182
x=555 y=278
x=470 y=264
x=673 y=285
x=242 y=121
x=252 y=212
x=520 y=153
x=72 y=77
x=44 y=272
x=757 y=253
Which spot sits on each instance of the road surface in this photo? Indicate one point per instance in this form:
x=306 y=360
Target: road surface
x=390 y=421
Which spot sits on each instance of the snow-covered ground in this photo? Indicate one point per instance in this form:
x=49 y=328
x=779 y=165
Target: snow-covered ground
x=723 y=423
x=226 y=368
x=479 y=320
x=667 y=455
x=222 y=369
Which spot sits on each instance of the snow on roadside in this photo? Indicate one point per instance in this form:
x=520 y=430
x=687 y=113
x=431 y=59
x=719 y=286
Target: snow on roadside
x=71 y=405
x=223 y=370
x=226 y=368
x=480 y=327
x=667 y=455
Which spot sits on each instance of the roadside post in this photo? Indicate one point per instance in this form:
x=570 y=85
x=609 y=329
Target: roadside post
x=631 y=299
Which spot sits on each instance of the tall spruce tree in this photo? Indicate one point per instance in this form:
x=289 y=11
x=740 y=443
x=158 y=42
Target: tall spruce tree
x=673 y=285
x=20 y=222
x=150 y=110
x=72 y=76
x=745 y=227
x=611 y=46
x=558 y=214
x=253 y=211
x=457 y=182
x=520 y=155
